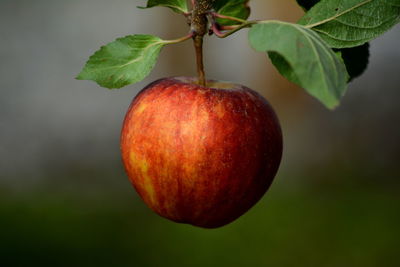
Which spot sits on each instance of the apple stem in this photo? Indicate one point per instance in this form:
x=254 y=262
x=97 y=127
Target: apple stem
x=198 y=44
x=199 y=28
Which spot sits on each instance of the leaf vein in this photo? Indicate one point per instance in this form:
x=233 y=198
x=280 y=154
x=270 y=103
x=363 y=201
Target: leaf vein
x=338 y=15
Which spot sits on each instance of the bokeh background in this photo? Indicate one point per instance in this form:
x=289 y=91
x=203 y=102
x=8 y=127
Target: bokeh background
x=64 y=197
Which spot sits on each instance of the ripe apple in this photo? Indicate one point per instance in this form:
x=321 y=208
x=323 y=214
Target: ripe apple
x=200 y=155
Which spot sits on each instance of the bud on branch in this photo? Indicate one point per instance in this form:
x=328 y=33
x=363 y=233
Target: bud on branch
x=199 y=23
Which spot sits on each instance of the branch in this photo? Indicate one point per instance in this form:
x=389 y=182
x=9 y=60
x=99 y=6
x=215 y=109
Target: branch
x=199 y=22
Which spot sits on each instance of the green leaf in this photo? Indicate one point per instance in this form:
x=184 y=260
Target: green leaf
x=302 y=57
x=232 y=8
x=349 y=23
x=356 y=58
x=179 y=6
x=125 y=61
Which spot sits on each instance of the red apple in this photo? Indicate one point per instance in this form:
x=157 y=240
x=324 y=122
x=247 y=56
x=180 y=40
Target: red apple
x=200 y=155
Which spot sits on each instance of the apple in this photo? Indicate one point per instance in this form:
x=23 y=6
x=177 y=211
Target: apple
x=200 y=155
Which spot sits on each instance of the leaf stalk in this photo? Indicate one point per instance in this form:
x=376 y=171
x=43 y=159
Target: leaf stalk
x=217 y=15
x=180 y=40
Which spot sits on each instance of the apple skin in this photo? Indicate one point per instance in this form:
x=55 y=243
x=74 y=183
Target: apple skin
x=200 y=155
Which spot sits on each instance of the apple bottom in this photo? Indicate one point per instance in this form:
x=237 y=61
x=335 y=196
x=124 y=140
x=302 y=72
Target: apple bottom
x=200 y=155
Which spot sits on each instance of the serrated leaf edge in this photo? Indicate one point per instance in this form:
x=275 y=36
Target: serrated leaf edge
x=79 y=76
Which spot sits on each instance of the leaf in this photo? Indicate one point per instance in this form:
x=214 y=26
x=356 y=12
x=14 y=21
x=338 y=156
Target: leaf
x=302 y=57
x=307 y=4
x=232 y=8
x=356 y=58
x=179 y=6
x=349 y=23
x=125 y=61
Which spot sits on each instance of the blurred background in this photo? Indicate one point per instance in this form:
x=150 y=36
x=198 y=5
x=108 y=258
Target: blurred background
x=64 y=197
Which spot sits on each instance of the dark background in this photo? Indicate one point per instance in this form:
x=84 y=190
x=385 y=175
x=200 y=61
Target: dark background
x=64 y=197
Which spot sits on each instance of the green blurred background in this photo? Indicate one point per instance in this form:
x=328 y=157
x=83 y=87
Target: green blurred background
x=64 y=197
